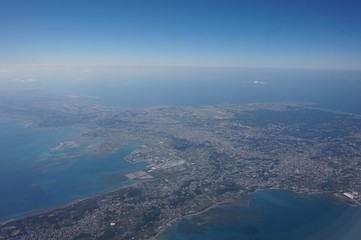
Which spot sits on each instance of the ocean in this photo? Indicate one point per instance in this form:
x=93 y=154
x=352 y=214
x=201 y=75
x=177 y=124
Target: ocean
x=272 y=215
x=34 y=178
x=337 y=90
x=334 y=90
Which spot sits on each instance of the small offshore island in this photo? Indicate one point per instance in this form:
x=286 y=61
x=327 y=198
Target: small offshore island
x=197 y=158
x=65 y=145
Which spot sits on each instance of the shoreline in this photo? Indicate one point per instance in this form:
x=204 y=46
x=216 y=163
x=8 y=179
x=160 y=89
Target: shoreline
x=128 y=183
x=62 y=206
x=169 y=224
x=299 y=194
x=244 y=200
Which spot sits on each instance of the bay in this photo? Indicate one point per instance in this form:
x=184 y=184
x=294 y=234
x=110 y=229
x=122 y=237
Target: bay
x=272 y=215
x=35 y=178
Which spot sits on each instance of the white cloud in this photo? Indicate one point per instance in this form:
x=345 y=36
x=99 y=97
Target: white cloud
x=259 y=82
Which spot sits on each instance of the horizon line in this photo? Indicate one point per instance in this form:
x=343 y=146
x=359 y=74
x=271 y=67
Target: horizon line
x=172 y=66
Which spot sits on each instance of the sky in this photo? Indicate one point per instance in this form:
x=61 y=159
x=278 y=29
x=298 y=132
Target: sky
x=224 y=33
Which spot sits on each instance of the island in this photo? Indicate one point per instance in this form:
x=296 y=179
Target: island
x=198 y=157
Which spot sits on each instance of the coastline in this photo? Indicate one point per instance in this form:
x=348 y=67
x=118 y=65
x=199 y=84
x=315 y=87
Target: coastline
x=127 y=183
x=245 y=200
x=247 y=196
x=62 y=206
x=166 y=225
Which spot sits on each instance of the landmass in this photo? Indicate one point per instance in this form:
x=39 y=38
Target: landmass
x=198 y=157
x=65 y=145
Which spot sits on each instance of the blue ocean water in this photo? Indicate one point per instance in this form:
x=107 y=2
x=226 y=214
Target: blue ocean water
x=338 y=90
x=272 y=215
x=33 y=177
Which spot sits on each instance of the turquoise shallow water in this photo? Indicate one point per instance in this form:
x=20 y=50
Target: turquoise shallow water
x=273 y=215
x=33 y=178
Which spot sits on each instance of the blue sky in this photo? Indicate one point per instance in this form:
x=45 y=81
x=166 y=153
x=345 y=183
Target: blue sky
x=227 y=33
